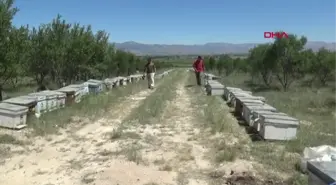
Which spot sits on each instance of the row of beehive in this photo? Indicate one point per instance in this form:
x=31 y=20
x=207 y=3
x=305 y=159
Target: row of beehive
x=14 y=111
x=270 y=123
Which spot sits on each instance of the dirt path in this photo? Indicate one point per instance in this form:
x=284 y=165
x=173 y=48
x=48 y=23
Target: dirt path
x=162 y=153
x=72 y=157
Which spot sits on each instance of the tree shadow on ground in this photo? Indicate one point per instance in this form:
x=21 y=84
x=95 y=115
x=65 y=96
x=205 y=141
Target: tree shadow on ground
x=259 y=87
x=250 y=131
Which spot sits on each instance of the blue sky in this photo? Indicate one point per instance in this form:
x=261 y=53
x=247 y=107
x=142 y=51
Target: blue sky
x=188 y=21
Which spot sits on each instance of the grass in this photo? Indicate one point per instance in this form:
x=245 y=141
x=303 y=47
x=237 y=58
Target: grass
x=91 y=107
x=9 y=139
x=120 y=134
x=235 y=143
x=155 y=104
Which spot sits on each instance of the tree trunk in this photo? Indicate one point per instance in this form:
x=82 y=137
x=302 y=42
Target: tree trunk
x=1 y=93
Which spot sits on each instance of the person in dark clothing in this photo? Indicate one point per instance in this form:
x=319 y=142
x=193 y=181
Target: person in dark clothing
x=199 y=68
x=150 y=71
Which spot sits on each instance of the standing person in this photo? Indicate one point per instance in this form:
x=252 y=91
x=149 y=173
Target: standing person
x=199 y=68
x=150 y=71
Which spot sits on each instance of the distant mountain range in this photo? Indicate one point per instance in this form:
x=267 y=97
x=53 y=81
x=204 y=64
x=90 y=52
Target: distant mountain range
x=204 y=49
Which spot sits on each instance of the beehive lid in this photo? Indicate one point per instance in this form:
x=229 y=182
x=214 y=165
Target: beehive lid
x=281 y=122
x=95 y=81
x=241 y=94
x=38 y=96
x=67 y=90
x=218 y=85
x=107 y=81
x=248 y=105
x=278 y=116
x=266 y=112
x=93 y=84
x=76 y=85
x=136 y=76
x=261 y=107
x=325 y=170
x=54 y=92
x=120 y=78
x=242 y=98
x=213 y=82
x=110 y=79
x=233 y=89
x=21 y=100
x=12 y=108
x=248 y=100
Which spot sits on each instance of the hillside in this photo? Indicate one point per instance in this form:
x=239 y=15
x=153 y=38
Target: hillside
x=208 y=48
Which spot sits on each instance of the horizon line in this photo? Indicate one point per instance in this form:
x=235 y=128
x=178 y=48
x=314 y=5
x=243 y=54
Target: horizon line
x=219 y=42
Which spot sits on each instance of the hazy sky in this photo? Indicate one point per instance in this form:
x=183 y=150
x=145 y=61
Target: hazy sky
x=188 y=21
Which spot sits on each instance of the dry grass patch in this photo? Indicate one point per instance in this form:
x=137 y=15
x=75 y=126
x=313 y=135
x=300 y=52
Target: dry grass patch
x=148 y=112
x=120 y=134
x=182 y=179
x=166 y=167
x=184 y=153
x=9 y=139
x=88 y=178
x=76 y=164
x=151 y=183
x=132 y=152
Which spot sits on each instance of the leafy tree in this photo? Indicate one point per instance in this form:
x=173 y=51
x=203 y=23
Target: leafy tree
x=262 y=62
x=8 y=51
x=59 y=52
x=212 y=63
x=286 y=55
x=228 y=65
x=324 y=65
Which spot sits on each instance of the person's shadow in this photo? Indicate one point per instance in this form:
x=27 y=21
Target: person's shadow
x=188 y=86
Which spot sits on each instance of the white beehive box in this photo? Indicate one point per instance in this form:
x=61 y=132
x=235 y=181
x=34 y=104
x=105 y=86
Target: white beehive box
x=239 y=104
x=109 y=83
x=321 y=172
x=135 y=78
x=258 y=111
x=123 y=81
x=60 y=98
x=94 y=87
x=232 y=96
x=25 y=101
x=249 y=107
x=116 y=82
x=13 y=116
x=102 y=86
x=51 y=100
x=215 y=89
x=82 y=88
x=129 y=79
x=73 y=95
x=278 y=127
x=41 y=102
x=228 y=90
x=77 y=93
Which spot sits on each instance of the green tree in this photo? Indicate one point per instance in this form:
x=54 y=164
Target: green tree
x=286 y=55
x=262 y=62
x=8 y=51
x=212 y=63
x=324 y=65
